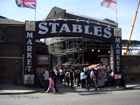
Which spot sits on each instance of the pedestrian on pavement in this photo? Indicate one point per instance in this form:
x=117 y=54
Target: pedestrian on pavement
x=67 y=76
x=56 y=73
x=76 y=73
x=82 y=78
x=46 y=78
x=51 y=85
x=72 y=77
x=87 y=78
x=64 y=72
x=61 y=75
x=54 y=79
x=92 y=76
x=78 y=78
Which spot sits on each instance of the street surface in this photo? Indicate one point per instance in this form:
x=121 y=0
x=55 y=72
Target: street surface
x=74 y=97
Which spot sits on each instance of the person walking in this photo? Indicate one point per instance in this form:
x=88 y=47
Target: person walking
x=54 y=79
x=67 y=76
x=46 y=77
x=92 y=76
x=64 y=72
x=87 y=78
x=82 y=78
x=51 y=85
x=61 y=75
x=72 y=77
x=78 y=77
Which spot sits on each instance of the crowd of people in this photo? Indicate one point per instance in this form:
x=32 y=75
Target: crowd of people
x=86 y=78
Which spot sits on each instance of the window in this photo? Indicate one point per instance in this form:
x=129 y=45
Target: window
x=54 y=13
x=2 y=35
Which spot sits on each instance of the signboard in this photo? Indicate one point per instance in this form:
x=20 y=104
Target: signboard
x=43 y=59
x=28 y=79
x=117 y=51
x=50 y=28
x=41 y=69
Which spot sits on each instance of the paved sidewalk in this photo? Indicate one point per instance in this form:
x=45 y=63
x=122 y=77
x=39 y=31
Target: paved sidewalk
x=15 y=89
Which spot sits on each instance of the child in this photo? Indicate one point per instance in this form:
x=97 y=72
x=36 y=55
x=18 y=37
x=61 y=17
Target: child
x=51 y=85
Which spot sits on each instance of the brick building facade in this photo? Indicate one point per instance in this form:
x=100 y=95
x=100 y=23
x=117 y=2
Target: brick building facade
x=11 y=51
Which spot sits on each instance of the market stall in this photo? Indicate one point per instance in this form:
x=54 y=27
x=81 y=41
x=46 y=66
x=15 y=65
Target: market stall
x=103 y=76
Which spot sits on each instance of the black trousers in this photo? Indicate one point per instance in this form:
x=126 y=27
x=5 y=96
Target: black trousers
x=61 y=77
x=68 y=80
x=46 y=85
x=83 y=83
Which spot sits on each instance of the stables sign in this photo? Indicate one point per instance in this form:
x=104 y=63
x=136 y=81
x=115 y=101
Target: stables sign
x=73 y=28
x=62 y=28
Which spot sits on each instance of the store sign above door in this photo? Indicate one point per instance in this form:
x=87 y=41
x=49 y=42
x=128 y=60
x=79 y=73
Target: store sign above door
x=61 y=28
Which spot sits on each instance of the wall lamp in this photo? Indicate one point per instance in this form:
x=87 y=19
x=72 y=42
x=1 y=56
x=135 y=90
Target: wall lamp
x=88 y=21
x=77 y=20
x=54 y=20
x=98 y=23
x=65 y=19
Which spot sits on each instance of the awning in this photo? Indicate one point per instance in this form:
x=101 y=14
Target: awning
x=92 y=66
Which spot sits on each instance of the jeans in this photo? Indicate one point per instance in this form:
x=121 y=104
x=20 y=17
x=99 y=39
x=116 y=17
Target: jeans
x=94 y=85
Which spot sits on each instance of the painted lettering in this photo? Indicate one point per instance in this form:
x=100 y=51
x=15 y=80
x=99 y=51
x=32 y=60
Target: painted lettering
x=29 y=61
x=29 y=55
x=98 y=31
x=77 y=28
x=64 y=28
x=29 y=35
x=117 y=40
x=29 y=42
x=87 y=30
x=43 y=28
x=29 y=48
x=107 y=32
x=54 y=25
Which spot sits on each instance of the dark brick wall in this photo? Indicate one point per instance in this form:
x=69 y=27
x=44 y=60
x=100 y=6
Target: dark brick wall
x=131 y=68
x=11 y=67
x=11 y=71
x=56 y=13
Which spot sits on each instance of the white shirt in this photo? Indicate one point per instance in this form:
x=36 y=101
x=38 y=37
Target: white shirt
x=61 y=72
x=91 y=74
x=46 y=75
x=82 y=75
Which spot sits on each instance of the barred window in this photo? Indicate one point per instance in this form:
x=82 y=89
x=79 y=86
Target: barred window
x=2 y=35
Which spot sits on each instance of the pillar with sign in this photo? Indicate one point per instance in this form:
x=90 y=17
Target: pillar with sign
x=117 y=57
x=29 y=64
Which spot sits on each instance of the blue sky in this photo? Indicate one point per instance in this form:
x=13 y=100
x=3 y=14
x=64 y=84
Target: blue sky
x=125 y=12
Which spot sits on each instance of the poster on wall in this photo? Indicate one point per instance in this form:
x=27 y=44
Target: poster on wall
x=28 y=79
x=43 y=59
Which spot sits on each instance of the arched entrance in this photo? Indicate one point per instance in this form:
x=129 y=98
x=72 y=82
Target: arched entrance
x=63 y=28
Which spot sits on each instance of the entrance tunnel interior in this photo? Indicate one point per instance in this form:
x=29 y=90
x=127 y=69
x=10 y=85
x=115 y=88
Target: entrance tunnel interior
x=77 y=50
